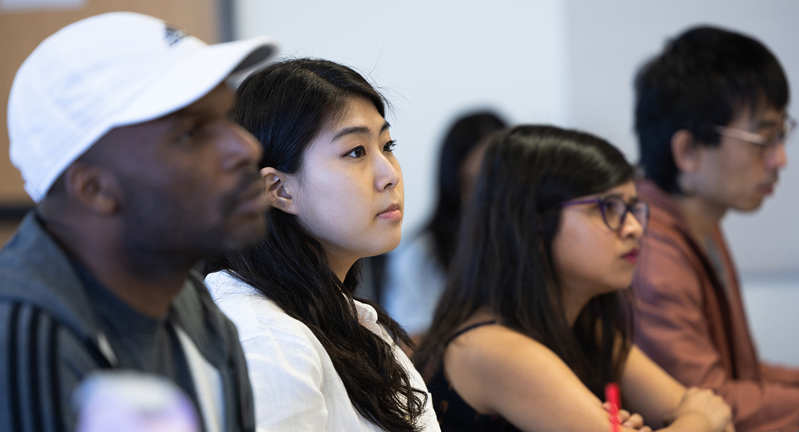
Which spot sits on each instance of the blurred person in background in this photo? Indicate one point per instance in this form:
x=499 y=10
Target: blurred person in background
x=129 y=401
x=119 y=125
x=712 y=125
x=536 y=318
x=416 y=272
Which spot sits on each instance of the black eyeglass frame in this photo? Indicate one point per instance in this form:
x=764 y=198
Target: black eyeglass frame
x=628 y=208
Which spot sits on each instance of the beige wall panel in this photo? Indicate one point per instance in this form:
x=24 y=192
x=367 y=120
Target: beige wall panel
x=6 y=230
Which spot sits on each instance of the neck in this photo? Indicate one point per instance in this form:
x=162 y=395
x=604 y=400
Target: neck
x=148 y=287
x=340 y=266
x=701 y=216
x=340 y=262
x=149 y=294
x=572 y=306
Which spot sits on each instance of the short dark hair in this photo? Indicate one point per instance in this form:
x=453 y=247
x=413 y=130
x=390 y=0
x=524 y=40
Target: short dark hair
x=705 y=76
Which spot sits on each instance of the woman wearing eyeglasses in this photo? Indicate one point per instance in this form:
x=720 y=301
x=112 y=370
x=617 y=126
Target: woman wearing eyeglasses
x=535 y=319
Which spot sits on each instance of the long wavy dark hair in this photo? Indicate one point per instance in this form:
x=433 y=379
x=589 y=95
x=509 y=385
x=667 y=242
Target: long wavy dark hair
x=504 y=258
x=462 y=138
x=285 y=106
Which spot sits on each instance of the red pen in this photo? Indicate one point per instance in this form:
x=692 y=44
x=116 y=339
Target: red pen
x=612 y=395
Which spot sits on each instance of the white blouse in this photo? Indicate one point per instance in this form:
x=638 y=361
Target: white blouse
x=295 y=385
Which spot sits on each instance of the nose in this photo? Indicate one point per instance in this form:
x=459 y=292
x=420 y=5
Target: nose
x=778 y=158
x=238 y=147
x=632 y=227
x=388 y=173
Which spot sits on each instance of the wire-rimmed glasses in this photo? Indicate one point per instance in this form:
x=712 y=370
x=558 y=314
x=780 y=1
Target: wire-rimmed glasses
x=766 y=144
x=614 y=210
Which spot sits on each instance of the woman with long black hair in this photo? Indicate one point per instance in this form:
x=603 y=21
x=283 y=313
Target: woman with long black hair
x=318 y=359
x=535 y=319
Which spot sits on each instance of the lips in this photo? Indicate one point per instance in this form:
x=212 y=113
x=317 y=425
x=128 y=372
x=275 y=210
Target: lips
x=631 y=256
x=391 y=213
x=767 y=189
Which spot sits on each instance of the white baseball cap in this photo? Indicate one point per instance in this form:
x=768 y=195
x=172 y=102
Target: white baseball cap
x=107 y=71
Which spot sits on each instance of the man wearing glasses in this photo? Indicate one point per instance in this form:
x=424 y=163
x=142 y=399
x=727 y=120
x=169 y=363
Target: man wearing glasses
x=711 y=121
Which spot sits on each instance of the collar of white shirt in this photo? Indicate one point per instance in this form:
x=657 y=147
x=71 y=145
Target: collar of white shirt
x=367 y=316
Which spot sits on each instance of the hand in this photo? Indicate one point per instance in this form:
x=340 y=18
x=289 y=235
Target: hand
x=634 y=421
x=696 y=401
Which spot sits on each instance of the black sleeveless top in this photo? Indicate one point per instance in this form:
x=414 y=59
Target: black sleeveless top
x=454 y=414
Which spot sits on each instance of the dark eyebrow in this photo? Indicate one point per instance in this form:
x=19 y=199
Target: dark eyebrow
x=195 y=111
x=766 y=123
x=192 y=114
x=632 y=200
x=358 y=130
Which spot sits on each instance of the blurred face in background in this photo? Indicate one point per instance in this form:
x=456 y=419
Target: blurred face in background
x=739 y=173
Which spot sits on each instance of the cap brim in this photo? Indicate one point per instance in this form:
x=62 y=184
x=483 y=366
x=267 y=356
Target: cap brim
x=195 y=76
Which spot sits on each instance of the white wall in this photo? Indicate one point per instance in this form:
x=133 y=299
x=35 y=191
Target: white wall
x=566 y=62
x=433 y=59
x=771 y=302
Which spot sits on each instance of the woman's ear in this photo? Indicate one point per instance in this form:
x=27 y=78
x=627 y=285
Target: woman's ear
x=279 y=190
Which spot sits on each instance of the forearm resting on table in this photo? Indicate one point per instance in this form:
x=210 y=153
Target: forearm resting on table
x=692 y=422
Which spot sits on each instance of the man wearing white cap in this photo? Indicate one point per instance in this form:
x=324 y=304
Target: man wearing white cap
x=119 y=126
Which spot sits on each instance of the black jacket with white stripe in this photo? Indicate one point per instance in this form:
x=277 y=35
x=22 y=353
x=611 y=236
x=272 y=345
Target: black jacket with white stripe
x=50 y=340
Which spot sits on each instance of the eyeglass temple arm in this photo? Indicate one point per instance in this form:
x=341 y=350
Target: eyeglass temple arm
x=585 y=201
x=740 y=134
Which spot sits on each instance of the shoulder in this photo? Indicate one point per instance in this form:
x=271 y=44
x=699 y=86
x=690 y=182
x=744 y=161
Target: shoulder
x=496 y=370
x=35 y=270
x=666 y=236
x=493 y=346
x=31 y=252
x=255 y=316
x=44 y=362
x=669 y=265
x=27 y=323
